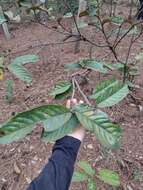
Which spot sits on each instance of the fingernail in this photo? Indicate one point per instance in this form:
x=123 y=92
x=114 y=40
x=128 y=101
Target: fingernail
x=81 y=102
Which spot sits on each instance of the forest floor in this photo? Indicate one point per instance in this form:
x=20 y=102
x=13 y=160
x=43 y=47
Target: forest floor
x=21 y=161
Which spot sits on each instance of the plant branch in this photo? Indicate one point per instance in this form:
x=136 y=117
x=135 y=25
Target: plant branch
x=82 y=93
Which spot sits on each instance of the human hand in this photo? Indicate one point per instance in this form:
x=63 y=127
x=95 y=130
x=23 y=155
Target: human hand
x=79 y=132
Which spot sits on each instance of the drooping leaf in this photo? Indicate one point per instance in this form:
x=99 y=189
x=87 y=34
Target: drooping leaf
x=72 y=66
x=9 y=91
x=97 y=122
x=110 y=177
x=29 y=118
x=21 y=60
x=20 y=72
x=91 y=185
x=14 y=136
x=93 y=65
x=109 y=93
x=86 y=167
x=63 y=95
x=53 y=123
x=61 y=132
x=79 y=177
x=60 y=88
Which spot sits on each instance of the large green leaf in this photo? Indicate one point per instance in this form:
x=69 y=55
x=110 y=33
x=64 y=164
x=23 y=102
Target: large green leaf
x=60 y=88
x=86 y=167
x=20 y=72
x=55 y=122
x=61 y=132
x=109 y=93
x=93 y=65
x=79 y=177
x=27 y=119
x=97 y=121
x=110 y=177
x=91 y=185
x=15 y=136
x=21 y=60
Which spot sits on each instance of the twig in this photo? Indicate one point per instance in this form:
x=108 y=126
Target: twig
x=75 y=22
x=82 y=93
x=73 y=85
x=42 y=45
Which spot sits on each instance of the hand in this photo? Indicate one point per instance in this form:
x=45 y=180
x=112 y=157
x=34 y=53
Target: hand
x=79 y=132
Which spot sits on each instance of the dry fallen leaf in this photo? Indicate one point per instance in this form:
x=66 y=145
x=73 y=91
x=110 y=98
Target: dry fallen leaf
x=16 y=168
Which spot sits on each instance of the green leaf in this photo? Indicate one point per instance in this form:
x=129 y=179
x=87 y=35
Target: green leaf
x=20 y=72
x=109 y=93
x=55 y=122
x=86 y=167
x=91 y=185
x=110 y=177
x=21 y=60
x=27 y=119
x=79 y=177
x=63 y=95
x=15 y=136
x=116 y=20
x=61 y=132
x=9 y=91
x=93 y=65
x=60 y=88
x=72 y=66
x=97 y=122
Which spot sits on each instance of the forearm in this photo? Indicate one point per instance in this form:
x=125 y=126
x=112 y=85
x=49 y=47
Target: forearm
x=58 y=172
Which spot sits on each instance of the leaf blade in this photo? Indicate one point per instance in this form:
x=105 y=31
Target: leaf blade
x=97 y=122
x=110 y=177
x=86 y=167
x=24 y=59
x=79 y=177
x=20 y=72
x=60 y=88
x=109 y=93
x=30 y=118
x=61 y=132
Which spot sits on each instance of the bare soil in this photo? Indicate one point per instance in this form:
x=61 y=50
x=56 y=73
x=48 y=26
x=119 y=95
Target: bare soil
x=21 y=161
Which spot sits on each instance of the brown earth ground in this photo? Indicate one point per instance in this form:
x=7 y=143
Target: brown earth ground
x=21 y=161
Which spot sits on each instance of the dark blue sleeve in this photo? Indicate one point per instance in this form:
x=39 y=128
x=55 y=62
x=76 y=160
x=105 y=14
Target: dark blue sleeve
x=58 y=172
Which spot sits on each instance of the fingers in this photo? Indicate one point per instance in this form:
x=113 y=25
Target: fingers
x=73 y=101
x=68 y=104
